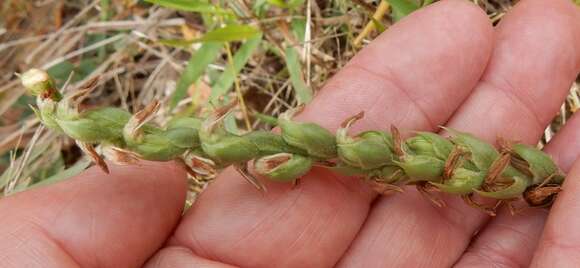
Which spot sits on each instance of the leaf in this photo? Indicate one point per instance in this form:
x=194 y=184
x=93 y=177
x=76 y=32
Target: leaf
x=402 y=8
x=303 y=92
x=194 y=69
x=189 y=5
x=178 y=43
x=268 y=119
x=76 y=169
x=286 y=4
x=227 y=78
x=299 y=29
x=378 y=25
x=232 y=32
x=426 y=2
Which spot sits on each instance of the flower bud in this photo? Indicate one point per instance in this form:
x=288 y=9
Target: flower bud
x=184 y=132
x=283 y=166
x=422 y=167
x=39 y=83
x=389 y=174
x=482 y=154
x=516 y=189
x=184 y=122
x=269 y=143
x=312 y=138
x=368 y=150
x=223 y=147
x=539 y=164
x=429 y=144
x=157 y=147
x=463 y=181
x=95 y=126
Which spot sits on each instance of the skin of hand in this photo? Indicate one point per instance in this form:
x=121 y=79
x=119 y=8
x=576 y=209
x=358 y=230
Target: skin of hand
x=443 y=65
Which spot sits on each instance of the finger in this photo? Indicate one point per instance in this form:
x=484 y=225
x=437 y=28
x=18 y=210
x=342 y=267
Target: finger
x=560 y=235
x=512 y=239
x=172 y=257
x=93 y=220
x=513 y=100
x=560 y=240
x=313 y=224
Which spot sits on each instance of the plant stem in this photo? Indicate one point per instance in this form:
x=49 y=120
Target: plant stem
x=377 y=16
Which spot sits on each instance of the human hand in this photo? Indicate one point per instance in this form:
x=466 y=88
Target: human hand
x=441 y=65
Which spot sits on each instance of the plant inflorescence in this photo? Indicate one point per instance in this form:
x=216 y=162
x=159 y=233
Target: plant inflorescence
x=460 y=164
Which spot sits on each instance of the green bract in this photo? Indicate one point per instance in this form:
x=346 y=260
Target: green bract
x=368 y=150
x=283 y=166
x=310 y=137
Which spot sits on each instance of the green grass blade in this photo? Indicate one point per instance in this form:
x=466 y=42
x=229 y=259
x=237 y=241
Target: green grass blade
x=286 y=4
x=229 y=33
x=74 y=170
x=378 y=25
x=227 y=78
x=402 y=8
x=232 y=32
x=303 y=92
x=189 y=5
x=195 y=68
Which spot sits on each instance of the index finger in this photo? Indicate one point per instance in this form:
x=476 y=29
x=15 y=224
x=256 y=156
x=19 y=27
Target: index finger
x=412 y=77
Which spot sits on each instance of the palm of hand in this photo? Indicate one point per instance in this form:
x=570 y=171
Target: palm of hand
x=456 y=70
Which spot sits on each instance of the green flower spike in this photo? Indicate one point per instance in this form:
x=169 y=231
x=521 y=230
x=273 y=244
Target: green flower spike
x=283 y=166
x=368 y=150
x=317 y=141
x=461 y=165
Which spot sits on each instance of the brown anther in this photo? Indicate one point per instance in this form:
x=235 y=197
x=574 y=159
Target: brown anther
x=202 y=166
x=385 y=188
x=149 y=110
x=426 y=189
x=541 y=196
x=396 y=175
x=274 y=162
x=398 y=141
x=547 y=180
x=521 y=165
x=187 y=169
x=97 y=159
x=349 y=121
x=84 y=90
x=120 y=156
x=453 y=162
x=504 y=145
x=132 y=128
x=243 y=170
x=497 y=168
x=50 y=94
x=489 y=210
x=513 y=209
